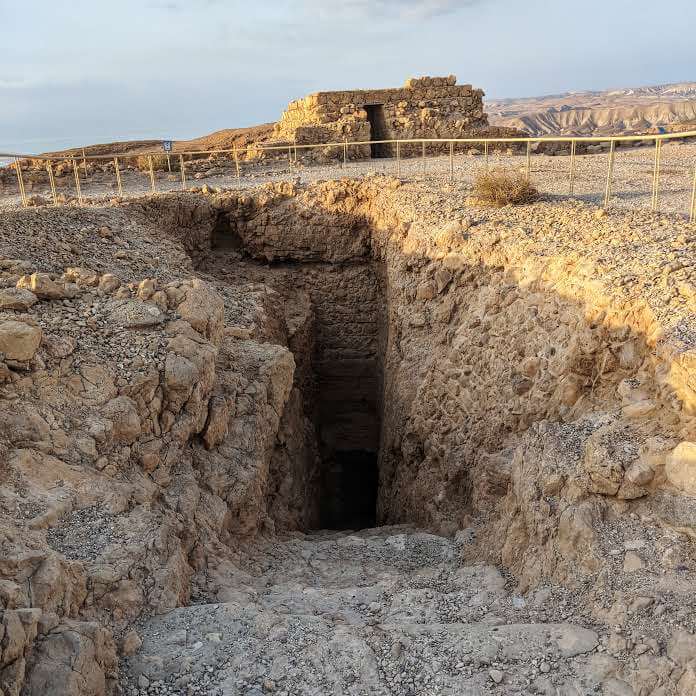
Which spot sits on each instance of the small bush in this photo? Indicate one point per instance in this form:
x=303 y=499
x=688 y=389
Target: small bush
x=502 y=187
x=159 y=163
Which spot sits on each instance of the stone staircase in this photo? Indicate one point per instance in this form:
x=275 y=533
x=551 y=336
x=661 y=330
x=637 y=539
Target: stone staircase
x=380 y=612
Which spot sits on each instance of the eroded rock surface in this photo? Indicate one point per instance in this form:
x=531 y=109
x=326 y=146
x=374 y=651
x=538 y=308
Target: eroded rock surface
x=185 y=399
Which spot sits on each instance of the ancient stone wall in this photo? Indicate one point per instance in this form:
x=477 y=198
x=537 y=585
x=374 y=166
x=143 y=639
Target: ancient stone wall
x=426 y=107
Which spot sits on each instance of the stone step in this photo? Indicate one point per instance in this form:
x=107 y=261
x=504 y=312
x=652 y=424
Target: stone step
x=355 y=554
x=225 y=650
x=429 y=594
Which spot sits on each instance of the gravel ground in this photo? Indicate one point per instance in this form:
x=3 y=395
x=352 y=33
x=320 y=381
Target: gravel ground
x=631 y=184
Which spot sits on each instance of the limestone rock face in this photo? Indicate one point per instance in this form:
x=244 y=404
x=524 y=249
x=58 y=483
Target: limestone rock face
x=681 y=467
x=19 y=341
x=77 y=659
x=203 y=308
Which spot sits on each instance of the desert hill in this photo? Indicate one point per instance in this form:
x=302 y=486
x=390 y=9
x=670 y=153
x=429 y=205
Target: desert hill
x=610 y=112
x=219 y=140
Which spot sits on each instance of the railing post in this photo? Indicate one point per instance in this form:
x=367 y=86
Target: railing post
x=398 y=158
x=84 y=162
x=451 y=160
x=423 y=148
x=169 y=164
x=656 y=176
x=294 y=147
x=529 y=160
x=692 y=211
x=119 y=184
x=52 y=182
x=572 y=167
x=345 y=153
x=182 y=166
x=485 y=152
x=152 y=173
x=20 y=182
x=78 y=188
x=610 y=171
x=236 y=162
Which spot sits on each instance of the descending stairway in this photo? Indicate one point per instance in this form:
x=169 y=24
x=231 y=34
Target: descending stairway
x=380 y=612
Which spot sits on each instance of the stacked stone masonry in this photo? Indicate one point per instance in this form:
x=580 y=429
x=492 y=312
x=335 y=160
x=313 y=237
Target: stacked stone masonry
x=426 y=107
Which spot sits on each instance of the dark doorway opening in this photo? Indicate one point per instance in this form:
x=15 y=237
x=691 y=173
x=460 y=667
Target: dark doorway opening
x=349 y=490
x=224 y=236
x=378 y=129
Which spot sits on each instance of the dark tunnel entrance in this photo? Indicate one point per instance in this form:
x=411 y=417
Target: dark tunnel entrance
x=347 y=365
x=349 y=490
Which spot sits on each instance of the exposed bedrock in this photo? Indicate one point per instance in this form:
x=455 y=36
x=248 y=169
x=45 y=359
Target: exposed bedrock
x=247 y=365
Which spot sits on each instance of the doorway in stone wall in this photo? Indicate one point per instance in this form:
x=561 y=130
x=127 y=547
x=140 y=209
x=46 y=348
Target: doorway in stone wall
x=378 y=129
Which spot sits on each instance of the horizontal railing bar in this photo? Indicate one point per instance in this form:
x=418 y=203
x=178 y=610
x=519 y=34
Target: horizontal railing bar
x=341 y=144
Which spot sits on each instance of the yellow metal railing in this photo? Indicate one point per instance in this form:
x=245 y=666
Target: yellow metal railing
x=343 y=147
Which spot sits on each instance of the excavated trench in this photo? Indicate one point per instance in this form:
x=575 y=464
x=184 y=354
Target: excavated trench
x=342 y=310
x=419 y=371
x=338 y=350
x=366 y=372
x=347 y=365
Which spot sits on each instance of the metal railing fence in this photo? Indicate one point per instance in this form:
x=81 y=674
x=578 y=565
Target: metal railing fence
x=346 y=152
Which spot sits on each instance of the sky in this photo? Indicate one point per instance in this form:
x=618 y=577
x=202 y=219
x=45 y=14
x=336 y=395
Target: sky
x=88 y=71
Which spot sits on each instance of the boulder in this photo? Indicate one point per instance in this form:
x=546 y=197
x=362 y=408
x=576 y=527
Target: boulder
x=204 y=309
x=76 y=658
x=122 y=412
x=19 y=341
x=17 y=299
x=681 y=467
x=682 y=647
x=135 y=314
x=44 y=287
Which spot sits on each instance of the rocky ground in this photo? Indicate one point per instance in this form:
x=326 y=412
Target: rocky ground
x=632 y=179
x=178 y=370
x=383 y=611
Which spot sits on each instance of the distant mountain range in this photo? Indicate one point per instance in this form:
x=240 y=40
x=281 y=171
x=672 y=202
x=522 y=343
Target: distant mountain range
x=610 y=112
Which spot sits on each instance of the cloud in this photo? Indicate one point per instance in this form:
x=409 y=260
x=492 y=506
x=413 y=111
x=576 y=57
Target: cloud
x=22 y=83
x=178 y=5
x=401 y=9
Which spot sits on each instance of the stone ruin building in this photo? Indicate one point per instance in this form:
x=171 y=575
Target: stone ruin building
x=425 y=107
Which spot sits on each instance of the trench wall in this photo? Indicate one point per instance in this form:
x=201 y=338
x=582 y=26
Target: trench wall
x=469 y=354
x=478 y=341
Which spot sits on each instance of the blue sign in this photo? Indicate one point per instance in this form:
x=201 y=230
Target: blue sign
x=167 y=145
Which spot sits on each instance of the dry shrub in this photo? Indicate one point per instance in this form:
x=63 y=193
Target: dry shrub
x=159 y=162
x=502 y=187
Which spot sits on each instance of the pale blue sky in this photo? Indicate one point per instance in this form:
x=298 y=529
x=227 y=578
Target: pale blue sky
x=95 y=70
